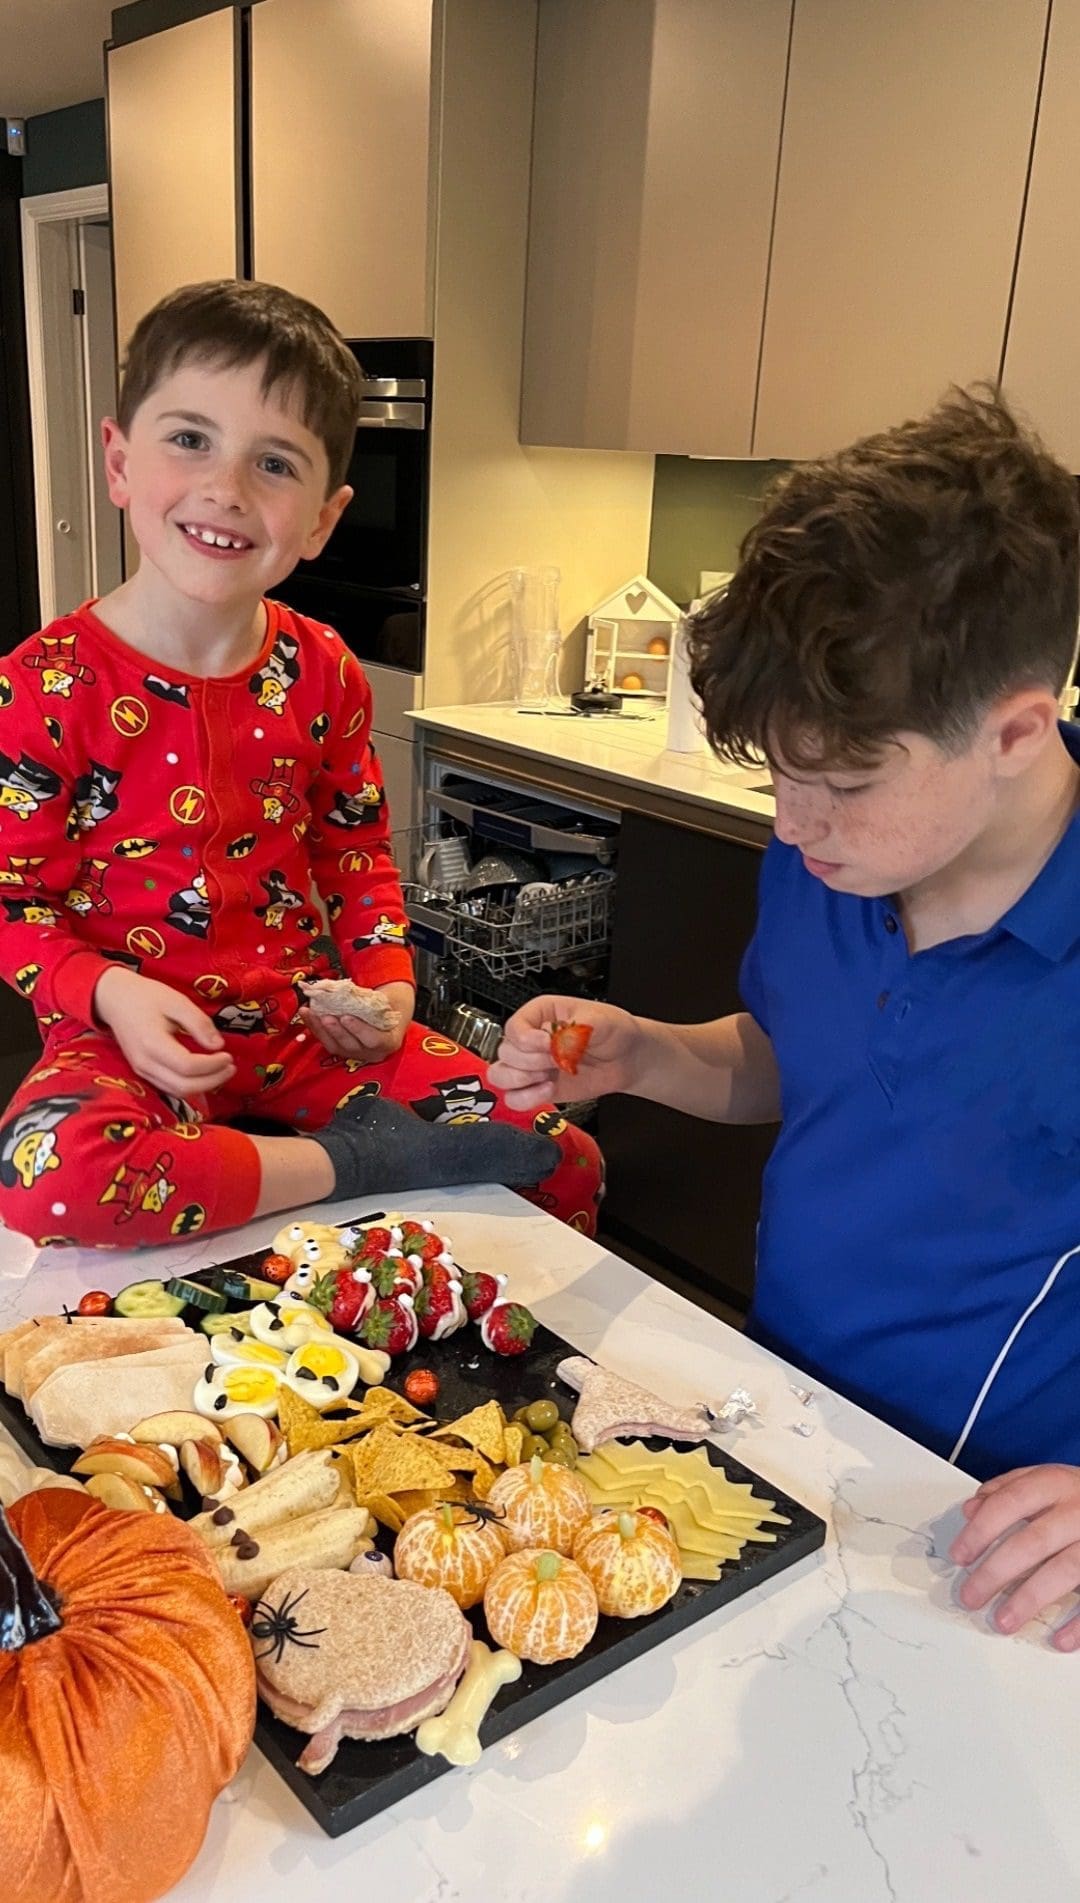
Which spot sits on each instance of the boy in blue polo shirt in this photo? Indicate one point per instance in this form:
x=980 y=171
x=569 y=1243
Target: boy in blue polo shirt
x=895 y=640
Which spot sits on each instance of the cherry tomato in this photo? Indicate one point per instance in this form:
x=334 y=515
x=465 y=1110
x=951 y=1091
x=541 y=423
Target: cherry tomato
x=241 y=1606
x=278 y=1268
x=654 y=1513
x=421 y=1387
x=95 y=1302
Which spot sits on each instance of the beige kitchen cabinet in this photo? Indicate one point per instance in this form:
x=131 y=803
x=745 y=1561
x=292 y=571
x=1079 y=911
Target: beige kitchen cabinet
x=656 y=139
x=173 y=161
x=907 y=133
x=340 y=107
x=1042 y=353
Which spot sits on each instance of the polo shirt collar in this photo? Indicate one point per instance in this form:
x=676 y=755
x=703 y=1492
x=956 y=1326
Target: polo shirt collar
x=1047 y=915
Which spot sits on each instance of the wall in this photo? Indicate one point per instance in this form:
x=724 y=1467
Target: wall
x=496 y=504
x=65 y=149
x=701 y=511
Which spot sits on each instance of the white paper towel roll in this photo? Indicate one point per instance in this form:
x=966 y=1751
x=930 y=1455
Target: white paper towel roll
x=685 y=733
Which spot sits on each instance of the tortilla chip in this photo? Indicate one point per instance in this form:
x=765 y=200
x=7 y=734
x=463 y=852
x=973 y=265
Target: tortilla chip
x=305 y=1428
x=482 y=1428
x=418 y=1501
x=382 y=1404
x=513 y=1444
x=388 y=1462
x=385 y=1510
x=483 y=1480
x=460 y=1460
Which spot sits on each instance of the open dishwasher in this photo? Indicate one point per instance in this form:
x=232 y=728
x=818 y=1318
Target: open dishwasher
x=509 y=894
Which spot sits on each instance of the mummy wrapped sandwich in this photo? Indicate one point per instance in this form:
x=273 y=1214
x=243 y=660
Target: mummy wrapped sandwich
x=340 y=998
x=611 y=1408
x=351 y=1655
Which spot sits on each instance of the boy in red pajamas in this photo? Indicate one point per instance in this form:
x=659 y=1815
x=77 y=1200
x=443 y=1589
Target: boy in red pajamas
x=179 y=764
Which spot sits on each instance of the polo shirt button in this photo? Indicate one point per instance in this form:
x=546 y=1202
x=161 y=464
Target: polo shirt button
x=890 y=923
x=883 y=999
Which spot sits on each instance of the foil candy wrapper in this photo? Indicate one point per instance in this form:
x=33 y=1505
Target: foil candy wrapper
x=805 y=1428
x=804 y=1396
x=740 y=1406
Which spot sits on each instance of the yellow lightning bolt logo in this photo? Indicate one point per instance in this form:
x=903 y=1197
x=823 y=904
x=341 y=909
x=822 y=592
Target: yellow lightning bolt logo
x=144 y=939
x=187 y=804
x=128 y=714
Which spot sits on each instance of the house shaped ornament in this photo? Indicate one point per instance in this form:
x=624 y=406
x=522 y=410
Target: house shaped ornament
x=631 y=637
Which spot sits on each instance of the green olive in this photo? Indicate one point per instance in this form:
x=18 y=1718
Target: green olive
x=561 y=1433
x=534 y=1445
x=522 y=1412
x=540 y=1415
x=560 y=1456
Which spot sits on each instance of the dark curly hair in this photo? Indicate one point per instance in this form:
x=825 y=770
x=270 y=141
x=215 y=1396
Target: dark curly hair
x=229 y=322
x=901 y=586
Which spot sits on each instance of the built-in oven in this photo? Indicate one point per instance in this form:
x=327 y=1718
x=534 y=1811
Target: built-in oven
x=370 y=580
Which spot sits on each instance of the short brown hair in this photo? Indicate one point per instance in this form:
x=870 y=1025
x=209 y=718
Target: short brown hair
x=230 y=322
x=901 y=586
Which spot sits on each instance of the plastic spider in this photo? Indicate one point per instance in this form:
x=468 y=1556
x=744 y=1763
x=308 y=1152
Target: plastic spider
x=480 y=1515
x=280 y=1627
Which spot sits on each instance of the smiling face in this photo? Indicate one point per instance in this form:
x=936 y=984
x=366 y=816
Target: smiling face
x=225 y=486
x=890 y=828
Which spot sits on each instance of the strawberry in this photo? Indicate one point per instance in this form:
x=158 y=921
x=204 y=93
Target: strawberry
x=377 y=1241
x=391 y=1325
x=420 y=1241
x=343 y=1297
x=440 y=1310
x=392 y=1275
x=507 y=1328
x=568 y=1045
x=480 y=1290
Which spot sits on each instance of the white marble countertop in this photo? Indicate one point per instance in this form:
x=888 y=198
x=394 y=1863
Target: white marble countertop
x=845 y=1734
x=620 y=752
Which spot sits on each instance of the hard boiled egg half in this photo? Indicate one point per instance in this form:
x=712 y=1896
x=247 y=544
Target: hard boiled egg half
x=322 y=1372
x=288 y=1323
x=222 y=1392
x=231 y=1348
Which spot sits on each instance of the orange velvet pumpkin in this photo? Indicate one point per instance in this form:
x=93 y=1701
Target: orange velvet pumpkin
x=127 y=1699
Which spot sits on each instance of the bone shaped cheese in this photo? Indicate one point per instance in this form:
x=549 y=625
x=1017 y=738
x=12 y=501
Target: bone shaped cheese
x=455 y=1735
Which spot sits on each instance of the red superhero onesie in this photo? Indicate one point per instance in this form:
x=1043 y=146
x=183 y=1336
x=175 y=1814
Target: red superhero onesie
x=178 y=824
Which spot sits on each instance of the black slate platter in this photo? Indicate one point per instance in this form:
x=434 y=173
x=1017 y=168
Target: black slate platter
x=366 y=1778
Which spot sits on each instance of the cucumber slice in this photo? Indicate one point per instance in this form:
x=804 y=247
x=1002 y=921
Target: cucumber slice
x=217 y=1324
x=247 y=1288
x=195 y=1295
x=148 y=1298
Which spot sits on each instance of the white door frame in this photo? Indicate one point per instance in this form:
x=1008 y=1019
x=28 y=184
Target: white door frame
x=85 y=201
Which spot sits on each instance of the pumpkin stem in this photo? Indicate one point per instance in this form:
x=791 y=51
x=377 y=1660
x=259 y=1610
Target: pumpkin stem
x=536 y=1469
x=548 y=1566
x=27 y=1610
x=447 y=1515
x=628 y=1525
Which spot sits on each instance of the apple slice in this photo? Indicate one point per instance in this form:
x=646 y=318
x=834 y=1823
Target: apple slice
x=201 y=1461
x=174 y=1429
x=256 y=1440
x=116 y=1490
x=146 y=1466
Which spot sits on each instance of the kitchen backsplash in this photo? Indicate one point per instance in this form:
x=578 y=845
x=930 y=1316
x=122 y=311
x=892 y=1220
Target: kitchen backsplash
x=701 y=511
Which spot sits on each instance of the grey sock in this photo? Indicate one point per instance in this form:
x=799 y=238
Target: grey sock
x=376 y=1145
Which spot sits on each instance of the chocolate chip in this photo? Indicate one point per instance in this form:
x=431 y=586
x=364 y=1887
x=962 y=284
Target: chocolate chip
x=223 y=1515
x=246 y=1547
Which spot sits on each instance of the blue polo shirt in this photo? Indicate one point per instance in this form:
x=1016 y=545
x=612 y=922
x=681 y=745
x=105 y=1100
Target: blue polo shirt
x=925 y=1184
